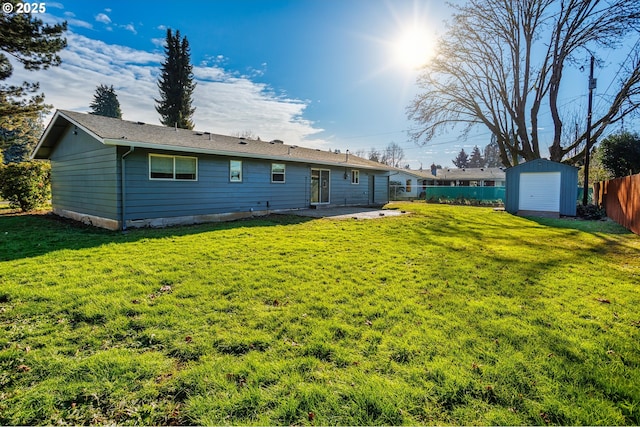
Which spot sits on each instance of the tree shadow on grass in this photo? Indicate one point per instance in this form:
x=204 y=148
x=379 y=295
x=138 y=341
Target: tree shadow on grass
x=32 y=235
x=587 y=226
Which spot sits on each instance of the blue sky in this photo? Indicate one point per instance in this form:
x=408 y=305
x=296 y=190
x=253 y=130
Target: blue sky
x=316 y=73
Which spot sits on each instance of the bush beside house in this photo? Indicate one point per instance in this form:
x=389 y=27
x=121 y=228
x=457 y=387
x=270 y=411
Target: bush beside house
x=25 y=185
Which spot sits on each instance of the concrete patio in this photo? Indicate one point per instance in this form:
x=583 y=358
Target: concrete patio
x=347 y=213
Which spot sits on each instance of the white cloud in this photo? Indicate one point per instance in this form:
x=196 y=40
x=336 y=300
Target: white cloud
x=79 y=23
x=101 y=17
x=225 y=103
x=130 y=27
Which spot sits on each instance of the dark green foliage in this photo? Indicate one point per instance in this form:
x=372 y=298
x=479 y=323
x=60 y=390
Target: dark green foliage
x=476 y=160
x=492 y=154
x=176 y=84
x=620 y=154
x=33 y=44
x=105 y=102
x=25 y=185
x=461 y=160
x=18 y=143
x=591 y=212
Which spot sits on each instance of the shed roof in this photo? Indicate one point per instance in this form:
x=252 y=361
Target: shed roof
x=111 y=131
x=539 y=164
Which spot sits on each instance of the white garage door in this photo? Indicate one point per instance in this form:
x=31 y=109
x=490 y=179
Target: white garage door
x=540 y=191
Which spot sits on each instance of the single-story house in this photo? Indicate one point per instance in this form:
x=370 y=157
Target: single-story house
x=542 y=188
x=116 y=174
x=429 y=183
x=468 y=177
x=407 y=184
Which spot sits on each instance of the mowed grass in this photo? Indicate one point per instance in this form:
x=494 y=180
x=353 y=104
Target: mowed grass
x=450 y=315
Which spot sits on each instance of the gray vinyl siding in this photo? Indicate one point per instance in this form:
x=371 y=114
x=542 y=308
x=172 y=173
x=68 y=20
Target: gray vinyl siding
x=568 y=184
x=84 y=176
x=213 y=193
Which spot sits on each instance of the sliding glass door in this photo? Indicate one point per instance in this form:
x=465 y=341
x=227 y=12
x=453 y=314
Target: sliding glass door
x=320 y=186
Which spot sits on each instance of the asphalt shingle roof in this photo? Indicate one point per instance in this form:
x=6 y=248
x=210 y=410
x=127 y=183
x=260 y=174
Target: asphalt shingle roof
x=112 y=131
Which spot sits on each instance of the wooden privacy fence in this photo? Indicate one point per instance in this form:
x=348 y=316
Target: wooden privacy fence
x=621 y=199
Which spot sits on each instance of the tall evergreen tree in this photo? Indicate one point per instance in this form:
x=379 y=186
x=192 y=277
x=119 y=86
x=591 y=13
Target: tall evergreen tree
x=34 y=45
x=176 y=83
x=476 y=160
x=492 y=154
x=461 y=160
x=16 y=145
x=105 y=102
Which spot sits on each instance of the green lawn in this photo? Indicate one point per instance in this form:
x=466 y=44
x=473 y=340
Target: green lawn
x=450 y=315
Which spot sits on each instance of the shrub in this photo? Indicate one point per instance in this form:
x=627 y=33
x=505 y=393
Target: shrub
x=590 y=212
x=25 y=185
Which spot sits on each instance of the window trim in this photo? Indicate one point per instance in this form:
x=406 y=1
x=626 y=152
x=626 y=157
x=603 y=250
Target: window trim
x=231 y=179
x=355 y=177
x=283 y=173
x=151 y=155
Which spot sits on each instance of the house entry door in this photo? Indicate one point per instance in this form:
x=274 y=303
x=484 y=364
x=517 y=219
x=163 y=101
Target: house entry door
x=320 y=186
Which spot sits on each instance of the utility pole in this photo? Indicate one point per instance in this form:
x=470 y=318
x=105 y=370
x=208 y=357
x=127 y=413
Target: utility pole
x=592 y=86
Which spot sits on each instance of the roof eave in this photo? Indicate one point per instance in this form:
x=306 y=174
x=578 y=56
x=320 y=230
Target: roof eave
x=226 y=153
x=47 y=131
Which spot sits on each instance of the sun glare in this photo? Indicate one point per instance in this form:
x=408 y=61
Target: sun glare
x=413 y=48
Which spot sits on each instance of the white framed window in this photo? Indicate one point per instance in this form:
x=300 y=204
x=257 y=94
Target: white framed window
x=277 y=172
x=173 y=168
x=235 y=170
x=355 y=177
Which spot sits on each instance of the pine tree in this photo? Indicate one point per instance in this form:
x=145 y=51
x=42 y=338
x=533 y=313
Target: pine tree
x=461 y=160
x=34 y=45
x=105 y=102
x=492 y=154
x=476 y=160
x=17 y=144
x=176 y=84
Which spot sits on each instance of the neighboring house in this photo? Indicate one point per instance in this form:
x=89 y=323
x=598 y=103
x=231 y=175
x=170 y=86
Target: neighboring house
x=468 y=177
x=422 y=183
x=116 y=174
x=406 y=184
x=542 y=188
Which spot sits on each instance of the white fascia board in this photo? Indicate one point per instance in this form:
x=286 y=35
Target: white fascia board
x=44 y=135
x=52 y=123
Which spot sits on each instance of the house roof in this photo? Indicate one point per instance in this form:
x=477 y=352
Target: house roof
x=110 y=131
x=466 y=174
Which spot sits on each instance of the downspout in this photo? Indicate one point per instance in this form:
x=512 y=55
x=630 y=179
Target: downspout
x=123 y=189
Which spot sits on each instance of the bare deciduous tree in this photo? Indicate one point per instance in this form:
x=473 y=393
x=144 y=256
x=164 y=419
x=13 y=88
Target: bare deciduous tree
x=392 y=155
x=501 y=65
